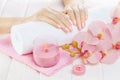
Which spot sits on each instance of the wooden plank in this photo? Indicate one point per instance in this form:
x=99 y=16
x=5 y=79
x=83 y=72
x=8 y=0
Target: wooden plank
x=2 y=4
x=15 y=8
x=63 y=74
x=111 y=72
x=93 y=72
x=36 y=5
x=19 y=71
x=5 y=62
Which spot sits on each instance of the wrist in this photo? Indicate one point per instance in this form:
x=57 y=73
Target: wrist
x=70 y=2
x=22 y=20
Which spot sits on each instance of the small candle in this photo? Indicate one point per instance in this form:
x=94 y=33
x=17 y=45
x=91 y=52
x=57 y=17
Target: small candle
x=78 y=69
x=46 y=55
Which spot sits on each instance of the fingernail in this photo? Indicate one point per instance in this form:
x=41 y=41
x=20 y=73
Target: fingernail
x=70 y=29
x=70 y=22
x=79 y=27
x=83 y=24
x=74 y=22
x=58 y=26
x=66 y=29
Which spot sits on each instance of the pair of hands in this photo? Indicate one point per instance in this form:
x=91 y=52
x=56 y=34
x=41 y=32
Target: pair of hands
x=77 y=15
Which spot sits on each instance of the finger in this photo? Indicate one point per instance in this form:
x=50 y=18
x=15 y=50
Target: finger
x=64 y=29
x=66 y=22
x=82 y=17
x=70 y=13
x=51 y=15
x=86 y=13
x=49 y=21
x=77 y=16
x=61 y=17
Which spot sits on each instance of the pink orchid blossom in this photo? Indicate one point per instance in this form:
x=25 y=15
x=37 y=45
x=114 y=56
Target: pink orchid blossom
x=115 y=31
x=88 y=43
x=101 y=43
x=90 y=54
x=111 y=56
x=109 y=44
x=113 y=52
x=85 y=37
x=100 y=30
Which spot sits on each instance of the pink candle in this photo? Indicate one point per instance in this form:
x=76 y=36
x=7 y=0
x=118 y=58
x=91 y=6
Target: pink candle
x=46 y=55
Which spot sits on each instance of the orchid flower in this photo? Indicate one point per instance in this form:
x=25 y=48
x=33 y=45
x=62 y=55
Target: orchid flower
x=78 y=42
x=90 y=54
x=109 y=43
x=113 y=52
x=88 y=43
x=86 y=38
x=100 y=30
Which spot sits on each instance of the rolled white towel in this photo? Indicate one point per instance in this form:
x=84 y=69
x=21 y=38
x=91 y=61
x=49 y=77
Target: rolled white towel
x=25 y=36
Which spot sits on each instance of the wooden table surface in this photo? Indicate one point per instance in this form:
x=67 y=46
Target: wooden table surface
x=10 y=69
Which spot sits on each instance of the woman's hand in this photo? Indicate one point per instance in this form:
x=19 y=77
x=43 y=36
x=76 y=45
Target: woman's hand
x=76 y=11
x=53 y=17
x=7 y=22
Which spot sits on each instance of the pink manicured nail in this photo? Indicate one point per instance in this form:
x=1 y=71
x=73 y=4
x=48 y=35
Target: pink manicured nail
x=83 y=24
x=70 y=22
x=74 y=22
x=79 y=27
x=67 y=30
x=70 y=29
x=58 y=26
x=79 y=69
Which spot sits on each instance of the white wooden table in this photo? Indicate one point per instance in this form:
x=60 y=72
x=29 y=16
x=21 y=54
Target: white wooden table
x=10 y=69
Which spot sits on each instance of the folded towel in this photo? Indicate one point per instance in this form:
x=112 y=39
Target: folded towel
x=7 y=49
x=25 y=36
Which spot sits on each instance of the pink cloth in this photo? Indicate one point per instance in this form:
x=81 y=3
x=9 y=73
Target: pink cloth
x=6 y=48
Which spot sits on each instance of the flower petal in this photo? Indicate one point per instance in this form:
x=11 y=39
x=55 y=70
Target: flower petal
x=105 y=44
x=95 y=58
x=111 y=57
x=86 y=37
x=115 y=31
x=84 y=60
x=99 y=27
x=89 y=47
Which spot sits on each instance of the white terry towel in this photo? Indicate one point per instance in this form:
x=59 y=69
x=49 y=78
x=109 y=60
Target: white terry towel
x=25 y=36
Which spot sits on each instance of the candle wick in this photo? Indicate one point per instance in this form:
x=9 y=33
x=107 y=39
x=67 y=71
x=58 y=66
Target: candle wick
x=46 y=50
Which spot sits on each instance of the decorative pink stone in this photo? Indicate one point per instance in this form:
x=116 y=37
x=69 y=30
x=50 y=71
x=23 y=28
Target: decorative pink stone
x=79 y=69
x=46 y=55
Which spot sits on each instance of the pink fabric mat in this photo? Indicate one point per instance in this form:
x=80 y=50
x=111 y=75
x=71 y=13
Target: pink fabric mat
x=6 y=48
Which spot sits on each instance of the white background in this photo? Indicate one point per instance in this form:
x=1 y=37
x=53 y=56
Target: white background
x=10 y=69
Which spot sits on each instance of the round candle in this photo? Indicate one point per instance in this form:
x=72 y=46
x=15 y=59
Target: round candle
x=78 y=69
x=46 y=55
